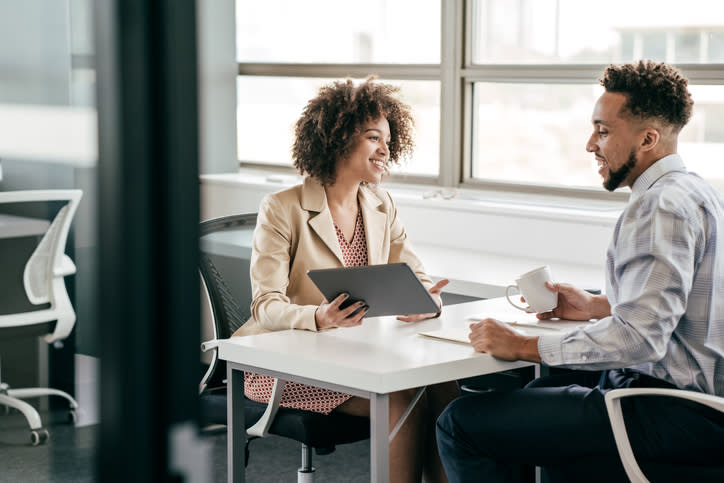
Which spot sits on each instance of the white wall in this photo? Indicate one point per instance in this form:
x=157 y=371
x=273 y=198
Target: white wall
x=216 y=25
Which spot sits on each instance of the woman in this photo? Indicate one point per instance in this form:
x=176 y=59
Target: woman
x=344 y=142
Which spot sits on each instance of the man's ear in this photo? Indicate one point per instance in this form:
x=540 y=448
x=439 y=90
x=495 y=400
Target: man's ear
x=650 y=140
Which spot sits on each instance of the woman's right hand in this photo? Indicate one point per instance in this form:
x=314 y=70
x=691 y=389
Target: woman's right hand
x=576 y=304
x=329 y=315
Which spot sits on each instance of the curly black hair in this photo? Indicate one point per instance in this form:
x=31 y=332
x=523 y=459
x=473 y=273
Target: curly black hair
x=653 y=90
x=325 y=133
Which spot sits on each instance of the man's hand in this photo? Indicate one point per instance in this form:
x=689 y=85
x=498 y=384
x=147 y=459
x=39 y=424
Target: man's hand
x=499 y=340
x=576 y=304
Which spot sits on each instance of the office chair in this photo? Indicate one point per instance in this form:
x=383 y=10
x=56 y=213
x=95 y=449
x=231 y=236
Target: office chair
x=659 y=471
x=44 y=286
x=224 y=266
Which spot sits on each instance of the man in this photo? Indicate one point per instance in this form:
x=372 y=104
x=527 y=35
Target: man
x=660 y=323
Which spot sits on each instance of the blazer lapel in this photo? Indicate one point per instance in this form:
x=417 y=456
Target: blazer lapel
x=375 y=222
x=314 y=200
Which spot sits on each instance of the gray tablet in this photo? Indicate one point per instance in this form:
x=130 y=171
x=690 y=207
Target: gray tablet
x=391 y=289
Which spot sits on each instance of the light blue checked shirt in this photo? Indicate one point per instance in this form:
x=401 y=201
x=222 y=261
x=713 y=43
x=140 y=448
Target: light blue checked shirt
x=665 y=283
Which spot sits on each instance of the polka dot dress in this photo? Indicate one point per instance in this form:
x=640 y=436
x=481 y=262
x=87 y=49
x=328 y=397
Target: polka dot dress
x=300 y=396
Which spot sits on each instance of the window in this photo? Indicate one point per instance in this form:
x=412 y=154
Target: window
x=330 y=32
x=269 y=107
x=287 y=49
x=521 y=129
x=502 y=91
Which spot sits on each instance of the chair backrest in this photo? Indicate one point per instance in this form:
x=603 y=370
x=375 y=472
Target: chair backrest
x=663 y=470
x=48 y=265
x=225 y=245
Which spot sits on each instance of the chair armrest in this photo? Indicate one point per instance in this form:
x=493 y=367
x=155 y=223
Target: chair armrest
x=615 y=414
x=65 y=267
x=209 y=345
x=62 y=310
x=261 y=427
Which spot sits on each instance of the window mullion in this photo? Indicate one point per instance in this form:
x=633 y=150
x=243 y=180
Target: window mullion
x=340 y=71
x=451 y=96
x=573 y=73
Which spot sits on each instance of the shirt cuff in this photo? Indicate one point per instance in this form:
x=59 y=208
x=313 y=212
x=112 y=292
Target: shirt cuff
x=550 y=349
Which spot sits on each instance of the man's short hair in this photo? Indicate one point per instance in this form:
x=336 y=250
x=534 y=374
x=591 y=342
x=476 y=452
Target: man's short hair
x=653 y=90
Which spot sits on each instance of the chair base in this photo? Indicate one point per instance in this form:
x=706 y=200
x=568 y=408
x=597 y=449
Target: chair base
x=13 y=398
x=305 y=473
x=305 y=476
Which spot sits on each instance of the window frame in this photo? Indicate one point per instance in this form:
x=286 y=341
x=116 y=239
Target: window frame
x=457 y=74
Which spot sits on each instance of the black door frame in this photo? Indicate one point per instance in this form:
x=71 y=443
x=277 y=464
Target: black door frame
x=148 y=186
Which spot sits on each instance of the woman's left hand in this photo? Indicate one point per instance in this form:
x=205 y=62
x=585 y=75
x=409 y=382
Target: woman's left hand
x=435 y=292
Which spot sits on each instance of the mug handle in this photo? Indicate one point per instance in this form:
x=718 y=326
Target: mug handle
x=507 y=291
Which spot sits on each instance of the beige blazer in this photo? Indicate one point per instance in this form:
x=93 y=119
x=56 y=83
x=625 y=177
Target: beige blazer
x=295 y=233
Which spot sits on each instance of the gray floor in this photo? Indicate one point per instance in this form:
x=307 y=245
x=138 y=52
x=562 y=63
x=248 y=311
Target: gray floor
x=68 y=456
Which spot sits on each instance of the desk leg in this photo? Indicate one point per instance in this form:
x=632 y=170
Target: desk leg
x=539 y=371
x=379 y=438
x=235 y=432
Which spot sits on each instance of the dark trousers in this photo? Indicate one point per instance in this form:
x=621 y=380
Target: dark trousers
x=560 y=423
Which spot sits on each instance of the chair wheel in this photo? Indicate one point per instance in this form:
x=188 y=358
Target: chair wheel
x=39 y=437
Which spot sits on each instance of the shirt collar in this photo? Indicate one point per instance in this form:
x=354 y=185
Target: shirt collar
x=667 y=164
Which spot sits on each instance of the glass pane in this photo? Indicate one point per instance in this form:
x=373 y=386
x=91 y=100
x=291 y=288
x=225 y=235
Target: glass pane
x=330 y=31
x=688 y=47
x=537 y=133
x=715 y=50
x=701 y=142
x=269 y=107
x=534 y=133
x=654 y=45
x=554 y=31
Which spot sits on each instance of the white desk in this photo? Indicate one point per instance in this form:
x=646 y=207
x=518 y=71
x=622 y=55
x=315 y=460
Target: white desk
x=381 y=356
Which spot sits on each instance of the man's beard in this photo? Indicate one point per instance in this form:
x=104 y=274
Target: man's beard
x=615 y=178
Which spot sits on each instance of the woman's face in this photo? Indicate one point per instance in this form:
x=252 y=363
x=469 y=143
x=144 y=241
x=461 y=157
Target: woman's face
x=370 y=153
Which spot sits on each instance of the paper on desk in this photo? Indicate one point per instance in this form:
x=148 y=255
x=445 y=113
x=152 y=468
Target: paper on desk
x=517 y=316
x=455 y=334
x=460 y=334
x=519 y=320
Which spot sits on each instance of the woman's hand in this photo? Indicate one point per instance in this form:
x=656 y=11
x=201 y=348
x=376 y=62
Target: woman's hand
x=329 y=315
x=435 y=291
x=576 y=304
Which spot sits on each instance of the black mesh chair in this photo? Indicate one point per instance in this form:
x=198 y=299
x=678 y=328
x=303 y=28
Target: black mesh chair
x=224 y=265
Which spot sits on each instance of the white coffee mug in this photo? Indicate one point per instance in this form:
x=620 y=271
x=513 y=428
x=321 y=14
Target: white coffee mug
x=532 y=287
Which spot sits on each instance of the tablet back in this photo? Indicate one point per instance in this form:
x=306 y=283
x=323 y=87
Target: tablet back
x=391 y=289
